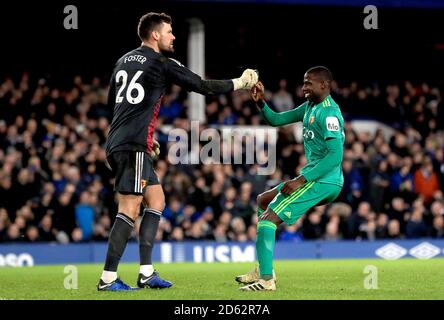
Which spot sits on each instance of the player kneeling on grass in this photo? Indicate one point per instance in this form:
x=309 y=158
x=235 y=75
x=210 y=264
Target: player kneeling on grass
x=320 y=181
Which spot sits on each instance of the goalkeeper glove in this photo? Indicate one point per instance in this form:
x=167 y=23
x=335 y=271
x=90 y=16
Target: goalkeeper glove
x=156 y=150
x=247 y=80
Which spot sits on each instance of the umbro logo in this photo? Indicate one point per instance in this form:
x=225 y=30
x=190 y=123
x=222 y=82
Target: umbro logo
x=424 y=251
x=391 y=251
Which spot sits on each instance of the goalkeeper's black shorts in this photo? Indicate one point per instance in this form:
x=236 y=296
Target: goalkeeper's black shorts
x=133 y=171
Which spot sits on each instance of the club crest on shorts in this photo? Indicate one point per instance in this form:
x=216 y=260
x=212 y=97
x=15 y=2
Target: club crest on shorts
x=143 y=183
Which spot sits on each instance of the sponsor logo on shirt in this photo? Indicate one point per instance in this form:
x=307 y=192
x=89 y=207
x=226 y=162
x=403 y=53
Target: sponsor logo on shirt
x=332 y=124
x=307 y=134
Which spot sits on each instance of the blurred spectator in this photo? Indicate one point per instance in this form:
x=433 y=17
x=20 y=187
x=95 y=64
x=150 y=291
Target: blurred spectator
x=282 y=99
x=64 y=217
x=243 y=206
x=13 y=234
x=291 y=233
x=402 y=182
x=416 y=228
x=220 y=233
x=32 y=234
x=195 y=231
x=77 y=235
x=358 y=219
x=252 y=233
x=312 y=227
x=381 y=230
x=426 y=181
x=437 y=227
x=173 y=211
x=379 y=182
x=397 y=211
x=393 y=229
x=85 y=215
x=177 y=234
x=352 y=189
x=332 y=231
x=171 y=106
x=238 y=230
x=438 y=164
x=163 y=232
x=339 y=214
x=46 y=233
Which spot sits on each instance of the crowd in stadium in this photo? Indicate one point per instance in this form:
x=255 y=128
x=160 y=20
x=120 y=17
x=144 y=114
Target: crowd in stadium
x=55 y=186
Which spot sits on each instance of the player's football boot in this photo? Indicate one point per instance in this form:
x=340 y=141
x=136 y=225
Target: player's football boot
x=251 y=276
x=154 y=281
x=260 y=285
x=116 y=285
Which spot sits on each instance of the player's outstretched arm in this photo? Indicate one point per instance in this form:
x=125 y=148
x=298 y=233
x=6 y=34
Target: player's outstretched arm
x=275 y=119
x=246 y=81
x=184 y=77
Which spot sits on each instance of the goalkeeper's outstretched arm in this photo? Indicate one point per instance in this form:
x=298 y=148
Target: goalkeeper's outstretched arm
x=184 y=77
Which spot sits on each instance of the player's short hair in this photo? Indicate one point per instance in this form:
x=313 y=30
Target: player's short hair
x=322 y=72
x=149 y=22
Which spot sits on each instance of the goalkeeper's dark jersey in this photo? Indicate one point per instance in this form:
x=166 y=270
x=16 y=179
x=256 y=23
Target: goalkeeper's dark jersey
x=137 y=86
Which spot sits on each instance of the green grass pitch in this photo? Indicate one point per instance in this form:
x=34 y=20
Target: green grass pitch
x=301 y=279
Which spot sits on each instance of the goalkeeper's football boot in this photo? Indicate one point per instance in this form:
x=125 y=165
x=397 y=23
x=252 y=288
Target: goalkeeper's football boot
x=154 y=281
x=252 y=276
x=116 y=285
x=260 y=285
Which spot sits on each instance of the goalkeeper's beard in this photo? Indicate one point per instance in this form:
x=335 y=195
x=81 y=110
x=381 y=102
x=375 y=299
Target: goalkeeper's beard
x=169 y=49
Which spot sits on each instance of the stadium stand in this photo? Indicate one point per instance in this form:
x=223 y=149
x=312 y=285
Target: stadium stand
x=55 y=186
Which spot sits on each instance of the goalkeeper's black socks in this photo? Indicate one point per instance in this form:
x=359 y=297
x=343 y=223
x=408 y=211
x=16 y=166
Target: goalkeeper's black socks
x=147 y=234
x=118 y=238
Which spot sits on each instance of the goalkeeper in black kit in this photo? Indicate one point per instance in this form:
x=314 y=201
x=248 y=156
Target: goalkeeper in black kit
x=139 y=81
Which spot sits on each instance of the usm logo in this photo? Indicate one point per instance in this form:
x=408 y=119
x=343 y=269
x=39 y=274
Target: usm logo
x=332 y=124
x=143 y=183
